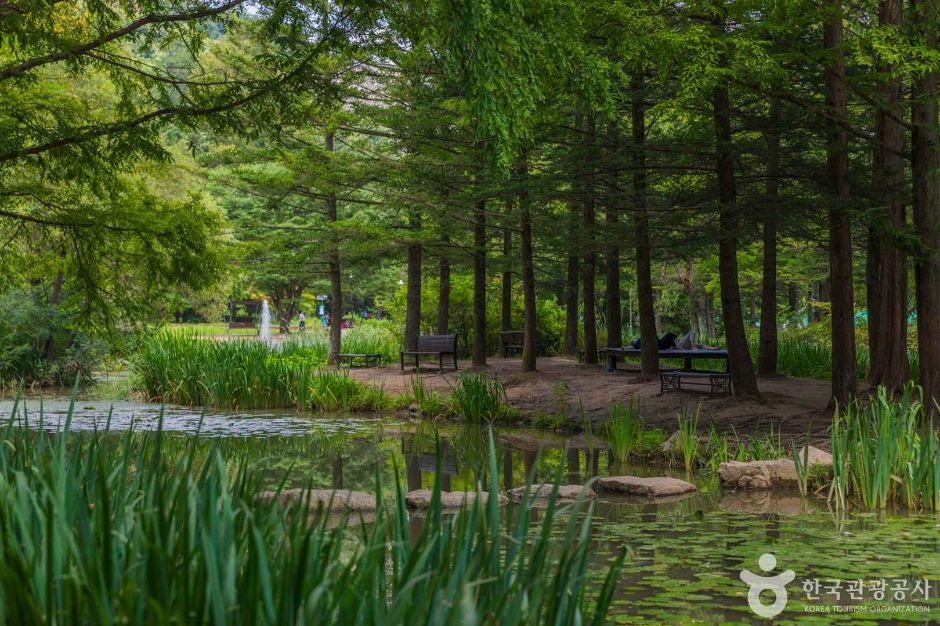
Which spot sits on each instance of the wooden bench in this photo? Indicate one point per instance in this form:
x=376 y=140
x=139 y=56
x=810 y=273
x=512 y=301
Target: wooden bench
x=430 y=345
x=718 y=382
x=512 y=341
x=349 y=359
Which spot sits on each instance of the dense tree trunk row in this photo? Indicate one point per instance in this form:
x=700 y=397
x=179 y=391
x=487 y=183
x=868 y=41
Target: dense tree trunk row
x=649 y=355
x=844 y=382
x=925 y=170
x=886 y=264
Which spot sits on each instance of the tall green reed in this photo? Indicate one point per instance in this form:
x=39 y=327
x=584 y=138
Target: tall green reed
x=477 y=397
x=105 y=528
x=246 y=374
x=688 y=436
x=623 y=430
x=885 y=453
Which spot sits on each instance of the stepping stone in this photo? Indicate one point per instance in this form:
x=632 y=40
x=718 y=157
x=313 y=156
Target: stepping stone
x=421 y=498
x=566 y=493
x=328 y=499
x=652 y=487
x=769 y=474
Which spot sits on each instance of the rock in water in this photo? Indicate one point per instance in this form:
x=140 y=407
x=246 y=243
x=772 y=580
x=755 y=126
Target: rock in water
x=328 y=499
x=566 y=493
x=421 y=498
x=653 y=487
x=768 y=474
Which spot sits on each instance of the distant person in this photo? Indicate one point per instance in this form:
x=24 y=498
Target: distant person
x=670 y=341
x=688 y=343
x=302 y=321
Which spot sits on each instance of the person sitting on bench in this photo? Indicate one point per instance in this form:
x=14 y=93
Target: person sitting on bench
x=669 y=341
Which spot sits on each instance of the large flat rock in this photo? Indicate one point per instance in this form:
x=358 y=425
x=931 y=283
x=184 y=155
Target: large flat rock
x=421 y=498
x=769 y=474
x=566 y=493
x=328 y=499
x=653 y=487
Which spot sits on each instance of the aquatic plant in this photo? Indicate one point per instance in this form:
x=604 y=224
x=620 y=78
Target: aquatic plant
x=886 y=452
x=764 y=447
x=173 y=367
x=718 y=448
x=623 y=430
x=104 y=529
x=477 y=397
x=688 y=436
x=428 y=401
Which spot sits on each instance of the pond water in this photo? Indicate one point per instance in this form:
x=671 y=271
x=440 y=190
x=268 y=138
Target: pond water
x=685 y=555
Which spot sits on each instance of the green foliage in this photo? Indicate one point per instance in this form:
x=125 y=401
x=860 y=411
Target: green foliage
x=623 y=430
x=429 y=402
x=42 y=344
x=478 y=398
x=102 y=528
x=722 y=447
x=171 y=367
x=688 y=436
x=807 y=352
x=887 y=452
x=550 y=316
x=365 y=337
x=549 y=421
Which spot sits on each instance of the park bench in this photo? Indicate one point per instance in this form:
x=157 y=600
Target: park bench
x=351 y=359
x=512 y=341
x=718 y=382
x=430 y=345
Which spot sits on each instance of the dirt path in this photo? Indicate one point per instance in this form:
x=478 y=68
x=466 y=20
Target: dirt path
x=788 y=404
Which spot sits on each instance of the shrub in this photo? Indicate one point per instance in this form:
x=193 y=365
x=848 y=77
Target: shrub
x=42 y=344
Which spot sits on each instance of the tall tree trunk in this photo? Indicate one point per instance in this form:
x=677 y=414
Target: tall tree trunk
x=528 y=272
x=926 y=175
x=505 y=322
x=571 y=291
x=739 y=357
x=613 y=307
x=478 y=351
x=793 y=298
x=767 y=352
x=413 y=293
x=589 y=264
x=335 y=271
x=443 y=297
x=649 y=352
x=612 y=281
x=888 y=342
x=844 y=381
